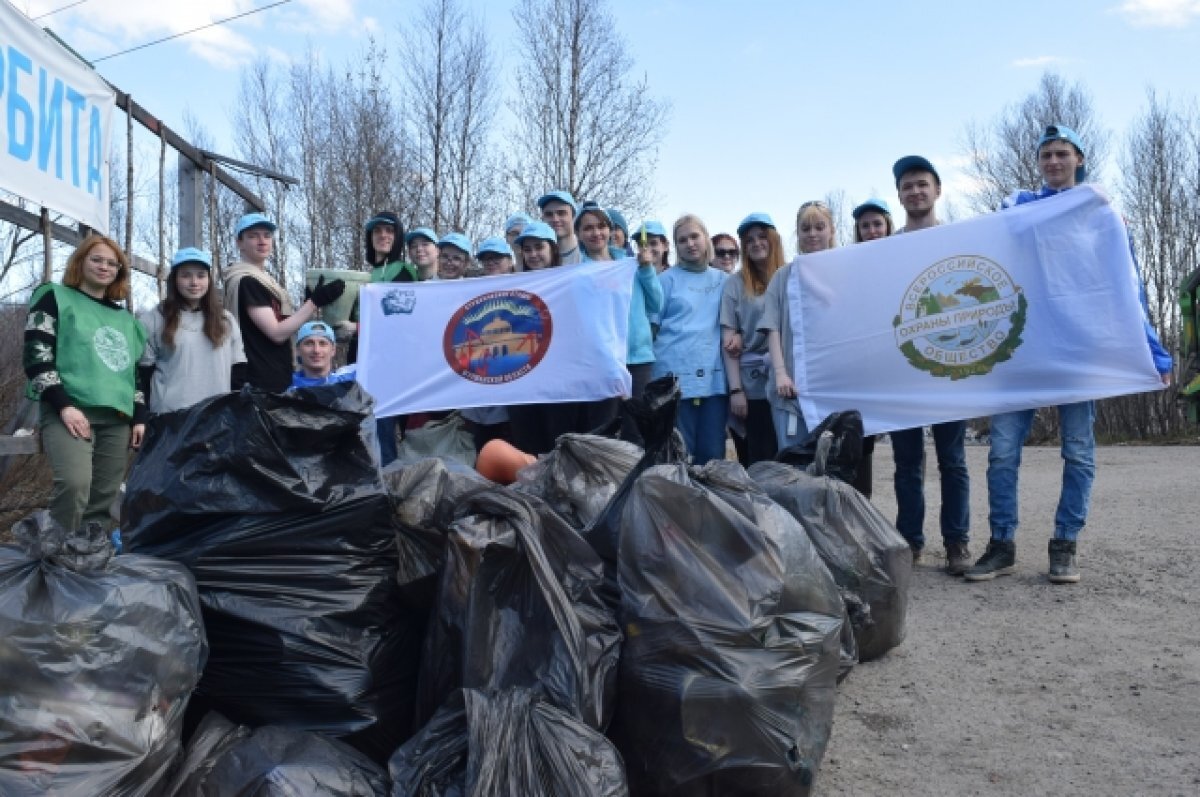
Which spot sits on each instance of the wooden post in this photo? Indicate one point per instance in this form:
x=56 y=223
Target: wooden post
x=191 y=203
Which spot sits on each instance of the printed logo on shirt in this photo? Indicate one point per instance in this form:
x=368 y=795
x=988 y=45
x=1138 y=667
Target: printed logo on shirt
x=498 y=337
x=960 y=317
x=398 y=301
x=112 y=348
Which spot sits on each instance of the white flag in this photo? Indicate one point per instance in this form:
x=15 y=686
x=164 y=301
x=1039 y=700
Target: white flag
x=1030 y=307
x=539 y=336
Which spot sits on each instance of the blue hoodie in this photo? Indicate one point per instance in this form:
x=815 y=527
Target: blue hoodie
x=646 y=300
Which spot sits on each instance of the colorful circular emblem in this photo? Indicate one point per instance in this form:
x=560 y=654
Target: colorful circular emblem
x=498 y=337
x=112 y=348
x=960 y=317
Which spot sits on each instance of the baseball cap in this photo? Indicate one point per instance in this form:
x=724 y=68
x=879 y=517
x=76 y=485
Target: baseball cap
x=1064 y=133
x=618 y=220
x=495 y=246
x=591 y=207
x=457 y=240
x=421 y=232
x=255 y=220
x=318 y=328
x=538 y=229
x=755 y=218
x=912 y=163
x=871 y=204
x=384 y=217
x=558 y=196
x=190 y=254
x=650 y=228
x=515 y=219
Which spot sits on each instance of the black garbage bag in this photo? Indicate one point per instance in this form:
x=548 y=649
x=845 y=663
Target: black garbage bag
x=227 y=760
x=654 y=415
x=731 y=654
x=252 y=453
x=425 y=495
x=98 y=656
x=869 y=560
x=730 y=482
x=307 y=625
x=843 y=449
x=580 y=476
x=519 y=606
x=503 y=744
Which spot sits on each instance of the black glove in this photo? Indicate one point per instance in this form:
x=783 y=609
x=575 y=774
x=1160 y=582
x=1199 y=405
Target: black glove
x=324 y=294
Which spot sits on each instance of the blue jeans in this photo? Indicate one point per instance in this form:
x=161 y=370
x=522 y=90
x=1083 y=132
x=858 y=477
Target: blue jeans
x=702 y=424
x=1079 y=469
x=908 y=452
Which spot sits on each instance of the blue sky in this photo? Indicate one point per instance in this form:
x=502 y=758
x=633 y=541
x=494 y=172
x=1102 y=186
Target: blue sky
x=773 y=103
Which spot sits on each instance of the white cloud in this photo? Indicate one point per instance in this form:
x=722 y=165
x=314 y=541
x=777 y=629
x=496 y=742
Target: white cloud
x=1038 y=60
x=1159 y=13
x=103 y=27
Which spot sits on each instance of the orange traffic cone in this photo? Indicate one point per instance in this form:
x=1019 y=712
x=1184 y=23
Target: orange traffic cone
x=500 y=461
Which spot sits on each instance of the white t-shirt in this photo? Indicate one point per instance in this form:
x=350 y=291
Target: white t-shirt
x=191 y=370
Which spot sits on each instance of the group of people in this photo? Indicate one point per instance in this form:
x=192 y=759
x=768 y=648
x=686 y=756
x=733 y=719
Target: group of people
x=719 y=320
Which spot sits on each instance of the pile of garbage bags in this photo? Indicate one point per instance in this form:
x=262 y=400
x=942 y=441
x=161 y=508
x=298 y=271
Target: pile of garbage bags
x=98 y=656
x=615 y=623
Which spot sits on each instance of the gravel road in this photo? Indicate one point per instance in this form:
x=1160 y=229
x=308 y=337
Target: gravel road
x=1020 y=687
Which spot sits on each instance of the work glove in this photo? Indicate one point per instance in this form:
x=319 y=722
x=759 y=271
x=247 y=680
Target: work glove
x=325 y=293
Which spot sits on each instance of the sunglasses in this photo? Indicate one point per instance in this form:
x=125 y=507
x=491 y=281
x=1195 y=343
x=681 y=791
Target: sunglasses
x=727 y=253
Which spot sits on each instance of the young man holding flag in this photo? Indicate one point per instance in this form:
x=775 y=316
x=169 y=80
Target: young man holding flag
x=1061 y=163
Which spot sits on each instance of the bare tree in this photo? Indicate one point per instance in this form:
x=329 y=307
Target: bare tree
x=1160 y=165
x=1002 y=152
x=451 y=94
x=582 y=124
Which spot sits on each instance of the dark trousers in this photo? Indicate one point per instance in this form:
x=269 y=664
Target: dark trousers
x=908 y=450
x=641 y=377
x=536 y=427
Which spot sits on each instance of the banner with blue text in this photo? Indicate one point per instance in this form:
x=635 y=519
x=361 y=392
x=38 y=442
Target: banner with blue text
x=536 y=337
x=56 y=126
x=1033 y=306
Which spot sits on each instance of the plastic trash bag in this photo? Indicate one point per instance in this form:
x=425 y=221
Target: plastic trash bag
x=729 y=665
x=843 y=448
x=869 y=560
x=579 y=477
x=307 y=626
x=448 y=438
x=425 y=495
x=730 y=482
x=505 y=744
x=98 y=656
x=227 y=760
x=518 y=606
x=251 y=452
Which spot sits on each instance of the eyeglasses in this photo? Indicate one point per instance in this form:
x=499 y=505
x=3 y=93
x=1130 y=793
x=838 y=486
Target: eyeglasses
x=727 y=253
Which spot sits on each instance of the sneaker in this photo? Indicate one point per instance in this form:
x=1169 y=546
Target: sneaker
x=916 y=553
x=1062 y=562
x=1000 y=559
x=958 y=558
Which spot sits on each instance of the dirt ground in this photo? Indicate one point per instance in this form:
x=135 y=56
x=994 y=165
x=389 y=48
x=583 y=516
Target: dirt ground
x=1020 y=687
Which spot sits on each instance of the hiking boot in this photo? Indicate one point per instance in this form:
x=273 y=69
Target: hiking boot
x=1062 y=562
x=958 y=558
x=1000 y=559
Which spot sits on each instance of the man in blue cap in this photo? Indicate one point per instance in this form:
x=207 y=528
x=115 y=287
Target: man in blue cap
x=1061 y=162
x=316 y=345
x=558 y=210
x=263 y=308
x=513 y=226
x=919 y=186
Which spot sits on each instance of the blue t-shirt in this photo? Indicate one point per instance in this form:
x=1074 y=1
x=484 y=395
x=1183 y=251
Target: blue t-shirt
x=347 y=374
x=689 y=332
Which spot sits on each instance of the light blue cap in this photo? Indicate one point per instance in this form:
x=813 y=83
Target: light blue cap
x=192 y=255
x=873 y=203
x=318 y=328
x=591 y=207
x=495 y=246
x=1064 y=133
x=651 y=228
x=421 y=232
x=763 y=219
x=558 y=196
x=457 y=240
x=618 y=220
x=255 y=220
x=515 y=219
x=538 y=229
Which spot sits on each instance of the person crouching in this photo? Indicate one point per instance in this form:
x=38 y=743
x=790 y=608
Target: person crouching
x=316 y=346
